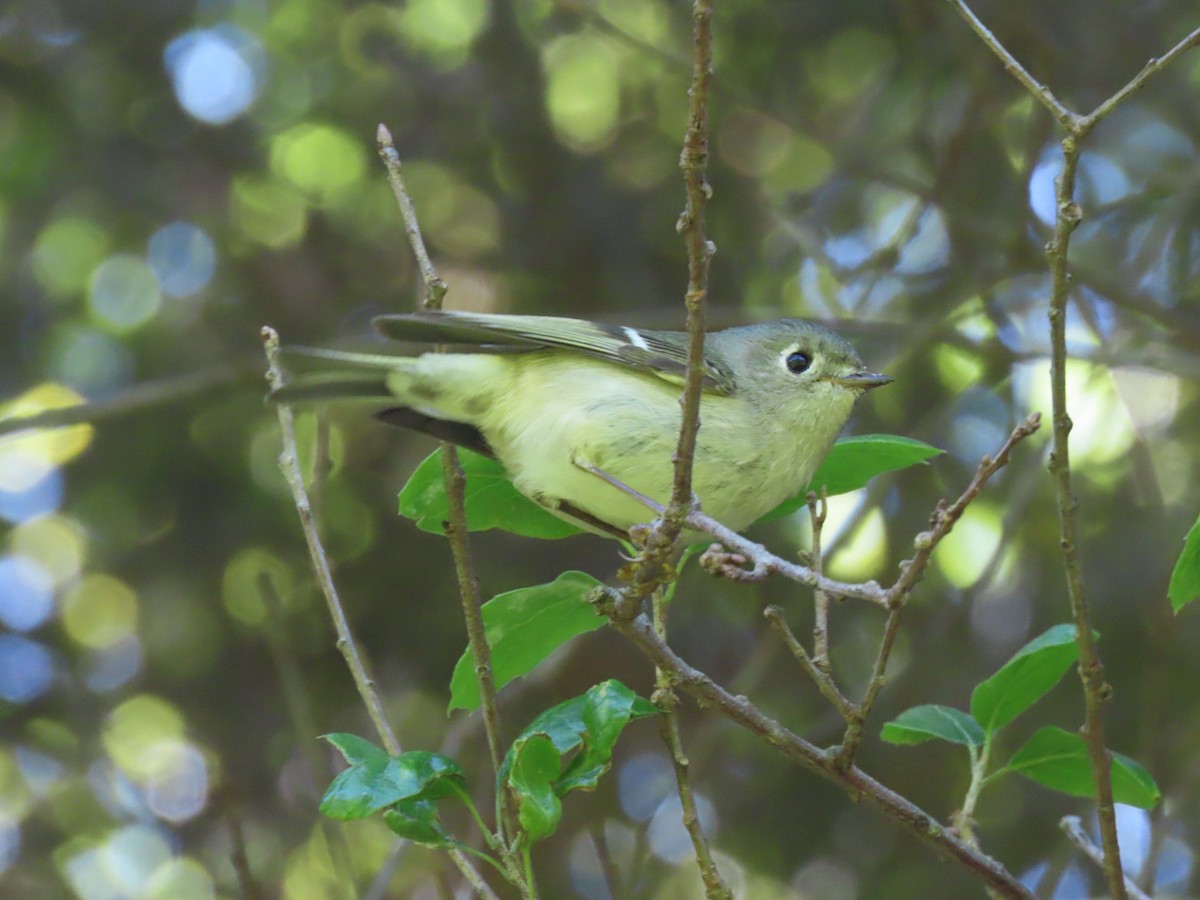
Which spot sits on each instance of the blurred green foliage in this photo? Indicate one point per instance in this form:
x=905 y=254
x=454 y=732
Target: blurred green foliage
x=173 y=176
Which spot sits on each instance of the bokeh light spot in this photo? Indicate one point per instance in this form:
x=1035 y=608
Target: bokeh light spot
x=43 y=496
x=455 y=216
x=242 y=586
x=179 y=790
x=124 y=293
x=215 y=72
x=1102 y=430
x=114 y=665
x=181 y=878
x=583 y=90
x=26 y=458
x=443 y=29
x=99 y=611
x=268 y=211
x=119 y=866
x=322 y=161
x=957 y=367
x=966 y=552
x=142 y=735
x=26 y=669
x=65 y=253
x=182 y=258
x=56 y=543
x=863 y=551
x=668 y=838
x=853 y=61
x=26 y=593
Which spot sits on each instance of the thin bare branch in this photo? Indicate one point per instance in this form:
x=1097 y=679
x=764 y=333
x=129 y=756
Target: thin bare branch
x=289 y=464
x=1091 y=671
x=456 y=526
x=1044 y=95
x=944 y=517
x=435 y=287
x=1096 y=692
x=857 y=723
x=1072 y=827
x=135 y=399
x=851 y=779
x=825 y=684
x=818 y=508
x=715 y=887
x=472 y=600
x=693 y=160
x=1136 y=83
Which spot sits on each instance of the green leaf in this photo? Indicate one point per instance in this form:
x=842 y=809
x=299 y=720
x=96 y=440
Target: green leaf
x=923 y=723
x=523 y=628
x=357 y=750
x=491 y=500
x=417 y=820
x=587 y=726
x=535 y=766
x=379 y=780
x=1058 y=759
x=1185 y=578
x=853 y=462
x=1021 y=681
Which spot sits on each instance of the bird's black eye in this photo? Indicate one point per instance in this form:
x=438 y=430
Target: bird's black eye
x=798 y=361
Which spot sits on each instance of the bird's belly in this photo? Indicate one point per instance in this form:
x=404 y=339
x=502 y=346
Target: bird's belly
x=628 y=426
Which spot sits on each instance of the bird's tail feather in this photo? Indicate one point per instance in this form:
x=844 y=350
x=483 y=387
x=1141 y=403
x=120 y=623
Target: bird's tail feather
x=333 y=386
x=355 y=376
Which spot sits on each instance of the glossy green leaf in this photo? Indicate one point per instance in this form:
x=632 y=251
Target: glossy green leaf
x=417 y=820
x=523 y=628
x=376 y=781
x=1025 y=678
x=854 y=461
x=588 y=727
x=923 y=723
x=535 y=767
x=1058 y=759
x=1185 y=577
x=491 y=500
x=357 y=750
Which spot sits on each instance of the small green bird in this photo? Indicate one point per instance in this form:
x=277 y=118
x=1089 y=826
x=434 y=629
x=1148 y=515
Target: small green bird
x=543 y=395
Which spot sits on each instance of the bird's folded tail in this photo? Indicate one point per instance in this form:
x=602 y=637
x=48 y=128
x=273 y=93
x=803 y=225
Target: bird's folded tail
x=345 y=376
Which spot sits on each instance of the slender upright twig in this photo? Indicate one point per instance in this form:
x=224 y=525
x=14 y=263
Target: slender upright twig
x=289 y=464
x=1091 y=671
x=435 y=287
x=1072 y=827
x=818 y=508
x=693 y=160
x=1096 y=692
x=456 y=526
x=821 y=678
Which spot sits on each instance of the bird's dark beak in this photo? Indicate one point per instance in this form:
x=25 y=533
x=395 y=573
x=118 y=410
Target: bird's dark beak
x=862 y=381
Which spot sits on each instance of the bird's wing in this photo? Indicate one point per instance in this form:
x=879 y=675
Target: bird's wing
x=662 y=353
